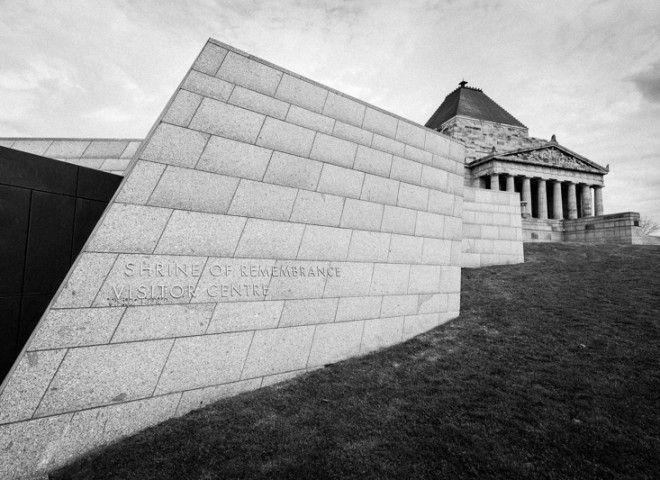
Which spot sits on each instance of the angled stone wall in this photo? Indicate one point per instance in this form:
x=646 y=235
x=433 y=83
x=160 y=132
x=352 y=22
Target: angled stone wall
x=267 y=226
x=110 y=155
x=492 y=228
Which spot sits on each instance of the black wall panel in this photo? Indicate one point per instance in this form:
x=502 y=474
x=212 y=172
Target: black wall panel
x=48 y=209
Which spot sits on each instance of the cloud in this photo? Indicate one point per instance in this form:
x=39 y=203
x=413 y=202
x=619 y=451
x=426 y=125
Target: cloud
x=648 y=83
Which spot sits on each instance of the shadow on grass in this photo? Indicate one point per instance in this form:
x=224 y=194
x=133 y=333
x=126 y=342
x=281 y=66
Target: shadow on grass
x=551 y=371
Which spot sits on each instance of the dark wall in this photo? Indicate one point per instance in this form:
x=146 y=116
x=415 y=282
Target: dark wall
x=48 y=209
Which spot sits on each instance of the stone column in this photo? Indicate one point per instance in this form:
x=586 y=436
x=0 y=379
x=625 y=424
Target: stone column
x=510 y=183
x=598 y=194
x=527 y=195
x=494 y=181
x=557 y=205
x=587 y=210
x=480 y=182
x=572 y=201
x=542 y=199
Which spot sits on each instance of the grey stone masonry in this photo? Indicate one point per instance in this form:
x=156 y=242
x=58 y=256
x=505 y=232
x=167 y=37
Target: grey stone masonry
x=267 y=226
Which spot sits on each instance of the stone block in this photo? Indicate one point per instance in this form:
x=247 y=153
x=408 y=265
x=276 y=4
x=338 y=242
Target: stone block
x=115 y=164
x=412 y=196
x=187 y=189
x=269 y=239
x=397 y=305
x=249 y=73
x=150 y=279
x=344 y=109
x=388 y=145
x=278 y=350
x=27 y=446
x=240 y=316
x=163 y=321
x=425 y=279
x=183 y=107
x=236 y=159
x=390 y=279
x=335 y=341
x=257 y=102
x=227 y=121
x=131 y=148
x=358 y=308
x=354 y=280
x=175 y=146
x=38 y=147
x=100 y=375
x=226 y=280
x=262 y=200
x=324 y=243
x=432 y=303
x=430 y=225
x=105 y=149
x=373 y=161
x=417 y=154
x=317 y=208
x=64 y=148
x=129 y=229
x=308 y=312
x=450 y=279
x=204 y=361
x=210 y=59
x=280 y=377
x=406 y=170
x=380 y=190
x=311 y=120
x=333 y=150
x=207 y=86
x=411 y=134
x=380 y=333
x=437 y=251
x=295 y=285
x=292 y=171
x=399 y=220
x=340 y=181
x=25 y=388
x=414 y=325
x=405 y=249
x=76 y=328
x=434 y=178
x=286 y=137
x=301 y=93
x=201 y=397
x=437 y=143
x=369 y=246
x=444 y=163
x=362 y=215
x=489 y=231
x=380 y=122
x=93 y=428
x=351 y=133
x=453 y=228
x=138 y=186
x=85 y=280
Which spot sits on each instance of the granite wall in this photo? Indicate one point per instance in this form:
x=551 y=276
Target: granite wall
x=105 y=154
x=492 y=228
x=267 y=226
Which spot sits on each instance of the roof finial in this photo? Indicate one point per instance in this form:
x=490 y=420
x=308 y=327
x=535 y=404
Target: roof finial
x=462 y=83
x=554 y=138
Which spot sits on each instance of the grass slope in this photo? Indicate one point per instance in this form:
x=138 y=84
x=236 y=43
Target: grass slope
x=552 y=371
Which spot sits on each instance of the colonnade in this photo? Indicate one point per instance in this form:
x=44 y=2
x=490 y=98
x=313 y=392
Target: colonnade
x=590 y=204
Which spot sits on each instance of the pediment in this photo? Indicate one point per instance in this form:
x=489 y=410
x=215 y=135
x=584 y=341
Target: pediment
x=551 y=154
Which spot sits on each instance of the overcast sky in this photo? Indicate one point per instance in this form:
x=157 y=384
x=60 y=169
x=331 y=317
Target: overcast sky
x=587 y=71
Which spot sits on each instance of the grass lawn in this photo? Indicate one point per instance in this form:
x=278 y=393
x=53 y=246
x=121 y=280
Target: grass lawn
x=552 y=371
